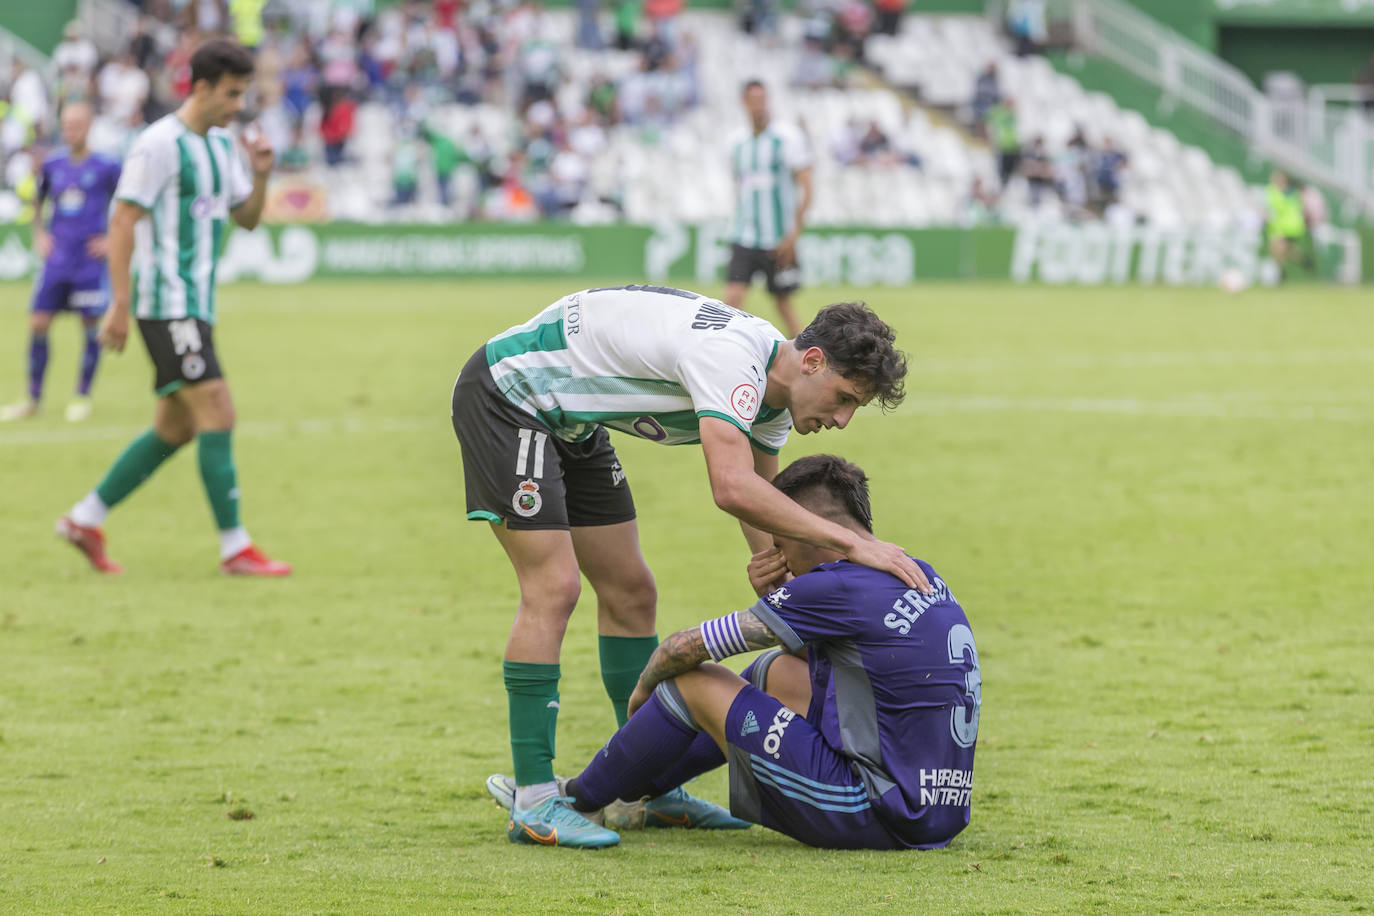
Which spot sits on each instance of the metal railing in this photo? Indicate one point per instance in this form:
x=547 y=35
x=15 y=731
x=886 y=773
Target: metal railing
x=1331 y=147
x=13 y=48
x=108 y=23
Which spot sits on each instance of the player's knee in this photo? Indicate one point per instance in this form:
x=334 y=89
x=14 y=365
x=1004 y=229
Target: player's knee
x=553 y=594
x=39 y=322
x=631 y=600
x=222 y=409
x=177 y=434
x=708 y=690
x=638 y=592
x=216 y=414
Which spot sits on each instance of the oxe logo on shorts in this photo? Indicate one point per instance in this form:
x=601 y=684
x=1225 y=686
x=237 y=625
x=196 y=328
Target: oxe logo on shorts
x=193 y=366
x=772 y=742
x=527 y=501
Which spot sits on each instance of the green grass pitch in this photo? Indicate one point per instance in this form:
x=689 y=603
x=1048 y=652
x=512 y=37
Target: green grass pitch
x=1155 y=505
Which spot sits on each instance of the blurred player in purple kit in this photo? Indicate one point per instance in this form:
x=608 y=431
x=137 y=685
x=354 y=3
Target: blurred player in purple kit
x=862 y=738
x=79 y=184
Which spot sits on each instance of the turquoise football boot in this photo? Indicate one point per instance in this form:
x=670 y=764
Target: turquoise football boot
x=553 y=822
x=678 y=809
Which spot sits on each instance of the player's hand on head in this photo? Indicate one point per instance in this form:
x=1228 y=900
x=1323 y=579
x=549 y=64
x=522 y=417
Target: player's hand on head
x=767 y=571
x=114 y=330
x=893 y=559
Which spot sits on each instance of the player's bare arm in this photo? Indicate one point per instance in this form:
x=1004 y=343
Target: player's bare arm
x=686 y=649
x=740 y=491
x=114 y=330
x=42 y=241
x=260 y=158
x=766 y=466
x=787 y=248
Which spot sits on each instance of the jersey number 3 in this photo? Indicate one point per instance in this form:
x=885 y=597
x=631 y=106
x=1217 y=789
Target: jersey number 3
x=963 y=720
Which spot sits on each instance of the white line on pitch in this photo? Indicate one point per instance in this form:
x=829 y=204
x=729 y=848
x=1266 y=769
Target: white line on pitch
x=1187 y=407
x=255 y=428
x=1144 y=359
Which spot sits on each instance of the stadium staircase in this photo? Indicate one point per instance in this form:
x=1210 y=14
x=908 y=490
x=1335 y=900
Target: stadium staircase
x=1201 y=94
x=13 y=48
x=1169 y=184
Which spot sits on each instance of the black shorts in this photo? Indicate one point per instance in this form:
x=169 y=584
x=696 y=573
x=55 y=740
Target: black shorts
x=182 y=351
x=517 y=473
x=745 y=263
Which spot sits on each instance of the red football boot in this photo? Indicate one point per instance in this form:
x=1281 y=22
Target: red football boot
x=91 y=542
x=250 y=561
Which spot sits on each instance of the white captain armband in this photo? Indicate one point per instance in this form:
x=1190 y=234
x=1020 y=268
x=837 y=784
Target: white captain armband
x=722 y=636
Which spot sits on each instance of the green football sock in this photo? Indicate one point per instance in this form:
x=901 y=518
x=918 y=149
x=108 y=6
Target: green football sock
x=622 y=660
x=532 y=693
x=217 y=472
x=133 y=466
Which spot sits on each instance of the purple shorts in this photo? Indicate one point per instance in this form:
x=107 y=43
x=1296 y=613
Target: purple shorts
x=81 y=288
x=784 y=776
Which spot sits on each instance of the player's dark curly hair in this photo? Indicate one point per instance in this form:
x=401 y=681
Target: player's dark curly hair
x=842 y=483
x=218 y=56
x=859 y=346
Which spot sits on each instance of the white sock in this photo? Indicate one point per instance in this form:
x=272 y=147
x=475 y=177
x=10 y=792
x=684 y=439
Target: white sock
x=90 y=512
x=233 y=540
x=527 y=797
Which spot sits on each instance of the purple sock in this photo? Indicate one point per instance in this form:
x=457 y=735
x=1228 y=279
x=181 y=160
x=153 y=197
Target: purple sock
x=90 y=358
x=646 y=746
x=38 y=364
x=702 y=757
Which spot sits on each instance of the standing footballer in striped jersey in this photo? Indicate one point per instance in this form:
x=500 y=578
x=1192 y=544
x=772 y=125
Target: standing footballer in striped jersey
x=532 y=409
x=182 y=182
x=772 y=168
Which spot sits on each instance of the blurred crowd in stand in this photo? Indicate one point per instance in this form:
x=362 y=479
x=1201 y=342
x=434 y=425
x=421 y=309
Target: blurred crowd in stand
x=324 y=64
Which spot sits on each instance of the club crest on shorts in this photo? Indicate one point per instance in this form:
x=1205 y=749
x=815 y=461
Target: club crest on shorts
x=526 y=501
x=193 y=366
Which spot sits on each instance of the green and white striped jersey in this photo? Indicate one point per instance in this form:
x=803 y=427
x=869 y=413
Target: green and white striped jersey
x=646 y=360
x=188 y=183
x=764 y=165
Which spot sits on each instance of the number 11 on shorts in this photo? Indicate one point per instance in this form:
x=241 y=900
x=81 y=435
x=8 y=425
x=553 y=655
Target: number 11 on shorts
x=522 y=453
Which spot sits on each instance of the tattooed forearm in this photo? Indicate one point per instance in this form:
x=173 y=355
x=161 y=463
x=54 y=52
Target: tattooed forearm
x=756 y=633
x=680 y=652
x=686 y=649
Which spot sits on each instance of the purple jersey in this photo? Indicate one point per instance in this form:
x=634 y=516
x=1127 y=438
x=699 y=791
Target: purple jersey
x=80 y=192
x=895 y=687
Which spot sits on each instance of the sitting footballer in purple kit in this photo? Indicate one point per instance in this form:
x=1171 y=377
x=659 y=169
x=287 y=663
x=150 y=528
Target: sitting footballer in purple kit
x=80 y=184
x=863 y=738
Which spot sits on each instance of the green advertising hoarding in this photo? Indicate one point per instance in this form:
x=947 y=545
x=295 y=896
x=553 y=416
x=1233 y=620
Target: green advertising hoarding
x=1054 y=253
